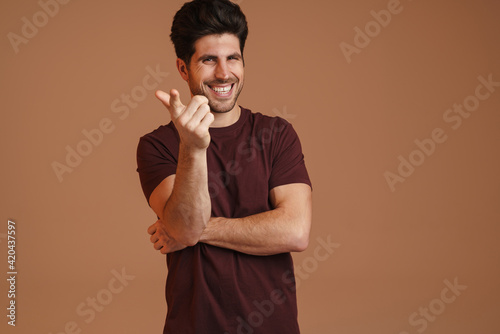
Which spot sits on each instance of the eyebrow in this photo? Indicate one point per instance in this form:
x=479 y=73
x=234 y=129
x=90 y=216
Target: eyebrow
x=205 y=56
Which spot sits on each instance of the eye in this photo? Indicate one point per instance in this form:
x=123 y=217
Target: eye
x=209 y=60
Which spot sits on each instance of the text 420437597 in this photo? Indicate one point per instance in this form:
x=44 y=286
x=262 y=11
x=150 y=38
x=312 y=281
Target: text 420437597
x=11 y=274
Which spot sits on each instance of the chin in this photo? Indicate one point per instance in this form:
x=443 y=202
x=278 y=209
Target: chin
x=221 y=109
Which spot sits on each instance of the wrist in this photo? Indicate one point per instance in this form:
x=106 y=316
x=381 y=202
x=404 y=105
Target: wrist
x=205 y=235
x=191 y=151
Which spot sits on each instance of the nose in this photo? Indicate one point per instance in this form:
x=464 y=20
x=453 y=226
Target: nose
x=222 y=70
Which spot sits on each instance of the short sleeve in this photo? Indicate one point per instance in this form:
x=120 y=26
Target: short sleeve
x=155 y=162
x=288 y=164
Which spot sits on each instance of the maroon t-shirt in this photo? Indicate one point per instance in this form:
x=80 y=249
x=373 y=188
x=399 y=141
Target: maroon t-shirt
x=217 y=290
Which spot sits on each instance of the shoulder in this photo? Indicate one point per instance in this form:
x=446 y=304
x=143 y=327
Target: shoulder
x=165 y=132
x=274 y=123
x=164 y=135
x=164 y=139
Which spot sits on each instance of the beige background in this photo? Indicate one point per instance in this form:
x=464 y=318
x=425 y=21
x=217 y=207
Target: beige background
x=394 y=249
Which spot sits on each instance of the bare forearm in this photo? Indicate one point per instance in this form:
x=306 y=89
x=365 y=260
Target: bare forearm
x=271 y=232
x=188 y=208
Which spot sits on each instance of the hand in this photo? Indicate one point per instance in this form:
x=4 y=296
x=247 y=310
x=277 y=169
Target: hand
x=161 y=239
x=191 y=121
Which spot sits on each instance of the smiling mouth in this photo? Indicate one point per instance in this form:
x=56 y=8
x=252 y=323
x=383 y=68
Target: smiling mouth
x=222 y=90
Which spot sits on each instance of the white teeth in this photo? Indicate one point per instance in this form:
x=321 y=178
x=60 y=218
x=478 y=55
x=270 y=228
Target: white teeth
x=222 y=89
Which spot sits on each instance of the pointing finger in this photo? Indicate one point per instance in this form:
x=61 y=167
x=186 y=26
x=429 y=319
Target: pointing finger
x=170 y=102
x=175 y=99
x=163 y=97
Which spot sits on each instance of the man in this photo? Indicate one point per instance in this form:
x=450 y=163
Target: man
x=229 y=187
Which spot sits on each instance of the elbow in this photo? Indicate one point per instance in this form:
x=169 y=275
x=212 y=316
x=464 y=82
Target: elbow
x=188 y=241
x=191 y=234
x=300 y=235
x=300 y=241
x=301 y=245
x=186 y=230
x=188 y=237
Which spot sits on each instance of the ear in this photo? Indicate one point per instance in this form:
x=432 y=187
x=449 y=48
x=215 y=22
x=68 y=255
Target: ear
x=182 y=68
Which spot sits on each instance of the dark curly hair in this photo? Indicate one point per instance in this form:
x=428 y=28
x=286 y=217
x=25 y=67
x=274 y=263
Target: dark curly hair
x=200 y=18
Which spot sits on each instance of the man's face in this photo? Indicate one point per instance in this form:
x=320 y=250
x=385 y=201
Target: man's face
x=216 y=71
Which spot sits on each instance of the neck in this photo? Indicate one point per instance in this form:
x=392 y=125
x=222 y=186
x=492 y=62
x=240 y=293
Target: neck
x=226 y=119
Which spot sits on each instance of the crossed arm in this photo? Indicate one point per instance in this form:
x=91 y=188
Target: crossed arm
x=282 y=229
x=183 y=204
x=285 y=228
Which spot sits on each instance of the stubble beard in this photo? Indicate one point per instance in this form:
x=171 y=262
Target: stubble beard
x=217 y=106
